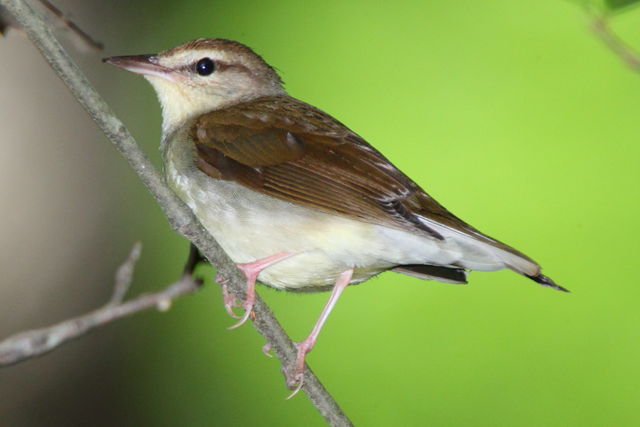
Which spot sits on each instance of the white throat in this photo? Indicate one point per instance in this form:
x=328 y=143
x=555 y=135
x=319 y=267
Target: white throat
x=180 y=104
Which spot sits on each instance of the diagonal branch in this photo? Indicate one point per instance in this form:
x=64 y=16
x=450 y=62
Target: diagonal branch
x=600 y=26
x=37 y=342
x=180 y=217
x=66 y=22
x=58 y=20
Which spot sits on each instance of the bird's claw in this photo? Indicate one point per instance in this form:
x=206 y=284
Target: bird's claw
x=229 y=301
x=295 y=379
x=266 y=349
x=248 y=309
x=295 y=384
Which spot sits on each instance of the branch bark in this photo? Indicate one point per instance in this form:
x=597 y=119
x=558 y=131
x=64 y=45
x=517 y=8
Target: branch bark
x=180 y=217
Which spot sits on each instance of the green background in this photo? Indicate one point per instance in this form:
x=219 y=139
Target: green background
x=511 y=114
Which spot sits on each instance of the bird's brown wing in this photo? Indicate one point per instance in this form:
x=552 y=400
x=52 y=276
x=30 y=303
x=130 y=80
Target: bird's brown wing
x=290 y=150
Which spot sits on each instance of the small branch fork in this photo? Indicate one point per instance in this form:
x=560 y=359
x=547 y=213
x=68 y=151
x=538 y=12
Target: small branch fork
x=37 y=342
x=178 y=214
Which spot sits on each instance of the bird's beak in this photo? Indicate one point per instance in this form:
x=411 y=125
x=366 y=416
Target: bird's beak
x=147 y=65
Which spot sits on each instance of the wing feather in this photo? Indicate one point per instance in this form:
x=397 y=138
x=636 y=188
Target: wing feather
x=287 y=149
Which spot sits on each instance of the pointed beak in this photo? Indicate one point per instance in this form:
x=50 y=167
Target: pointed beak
x=147 y=65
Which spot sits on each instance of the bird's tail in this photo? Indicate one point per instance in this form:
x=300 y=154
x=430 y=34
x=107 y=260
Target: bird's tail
x=504 y=256
x=524 y=265
x=546 y=281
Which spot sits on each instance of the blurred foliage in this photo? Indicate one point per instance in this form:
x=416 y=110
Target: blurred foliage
x=616 y=5
x=513 y=116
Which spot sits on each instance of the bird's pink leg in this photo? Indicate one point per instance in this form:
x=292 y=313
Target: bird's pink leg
x=251 y=270
x=297 y=377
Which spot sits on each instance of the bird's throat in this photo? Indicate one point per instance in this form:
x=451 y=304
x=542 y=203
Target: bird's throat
x=180 y=104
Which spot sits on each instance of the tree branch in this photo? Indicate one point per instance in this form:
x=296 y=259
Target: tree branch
x=37 y=342
x=180 y=217
x=124 y=275
x=600 y=26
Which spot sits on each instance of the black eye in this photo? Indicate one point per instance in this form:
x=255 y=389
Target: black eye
x=205 y=66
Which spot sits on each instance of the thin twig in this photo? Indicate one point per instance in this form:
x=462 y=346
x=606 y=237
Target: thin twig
x=37 y=342
x=82 y=36
x=54 y=15
x=124 y=275
x=180 y=217
x=600 y=26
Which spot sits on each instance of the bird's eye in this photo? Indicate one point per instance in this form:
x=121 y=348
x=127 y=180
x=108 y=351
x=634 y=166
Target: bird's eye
x=205 y=66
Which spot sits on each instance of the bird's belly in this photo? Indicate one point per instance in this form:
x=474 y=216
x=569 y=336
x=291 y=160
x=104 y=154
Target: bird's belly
x=250 y=226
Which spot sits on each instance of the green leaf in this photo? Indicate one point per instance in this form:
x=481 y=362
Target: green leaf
x=615 y=5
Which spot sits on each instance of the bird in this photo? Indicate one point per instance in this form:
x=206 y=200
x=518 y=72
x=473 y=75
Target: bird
x=298 y=200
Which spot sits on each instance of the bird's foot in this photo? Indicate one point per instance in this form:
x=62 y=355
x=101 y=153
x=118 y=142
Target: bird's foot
x=251 y=271
x=295 y=377
x=229 y=300
x=266 y=349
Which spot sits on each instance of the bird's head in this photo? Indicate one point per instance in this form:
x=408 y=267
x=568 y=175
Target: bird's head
x=202 y=75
